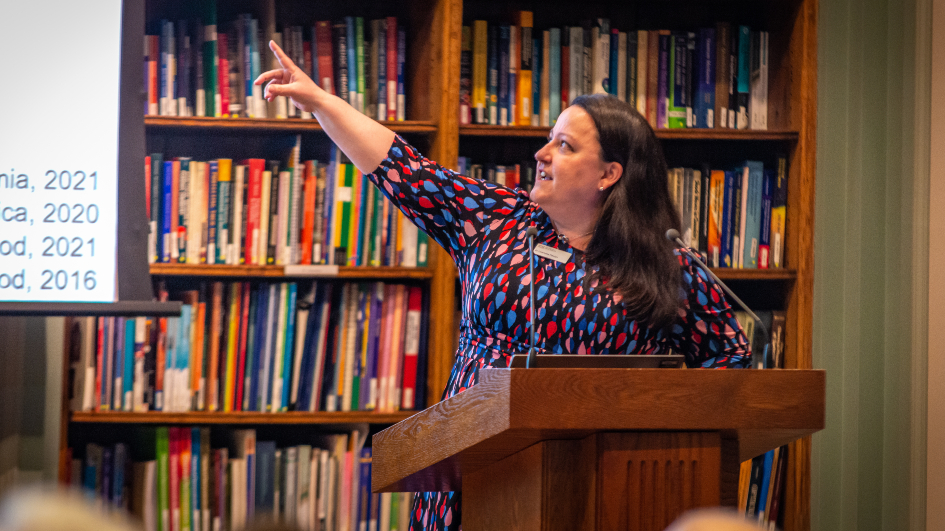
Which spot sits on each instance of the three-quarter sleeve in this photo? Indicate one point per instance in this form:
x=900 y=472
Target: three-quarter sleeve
x=706 y=331
x=453 y=209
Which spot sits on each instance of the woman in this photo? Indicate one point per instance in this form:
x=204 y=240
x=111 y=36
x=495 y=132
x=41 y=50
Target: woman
x=600 y=199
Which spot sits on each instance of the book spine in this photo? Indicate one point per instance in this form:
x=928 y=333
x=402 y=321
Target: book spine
x=480 y=38
x=492 y=76
x=526 y=49
x=744 y=77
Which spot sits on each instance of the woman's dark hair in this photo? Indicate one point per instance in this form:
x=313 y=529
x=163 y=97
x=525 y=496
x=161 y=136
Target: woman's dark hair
x=629 y=246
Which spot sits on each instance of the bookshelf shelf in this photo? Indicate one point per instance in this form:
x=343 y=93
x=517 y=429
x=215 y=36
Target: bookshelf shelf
x=663 y=134
x=726 y=273
x=278 y=271
x=256 y=125
x=240 y=418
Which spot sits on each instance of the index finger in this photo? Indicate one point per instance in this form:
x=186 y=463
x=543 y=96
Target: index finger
x=283 y=59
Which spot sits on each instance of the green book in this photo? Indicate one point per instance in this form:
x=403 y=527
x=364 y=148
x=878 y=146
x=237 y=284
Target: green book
x=163 y=503
x=359 y=50
x=423 y=246
x=212 y=99
x=345 y=200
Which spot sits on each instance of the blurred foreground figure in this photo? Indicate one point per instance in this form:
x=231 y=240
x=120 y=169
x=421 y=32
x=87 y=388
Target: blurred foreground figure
x=55 y=509
x=713 y=520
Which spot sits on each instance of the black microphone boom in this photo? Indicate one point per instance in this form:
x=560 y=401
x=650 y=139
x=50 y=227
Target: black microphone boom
x=531 y=232
x=673 y=236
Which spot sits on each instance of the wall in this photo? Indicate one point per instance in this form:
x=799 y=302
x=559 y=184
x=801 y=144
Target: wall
x=871 y=266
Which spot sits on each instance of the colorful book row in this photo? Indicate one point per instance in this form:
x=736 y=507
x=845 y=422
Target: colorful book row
x=260 y=347
x=735 y=218
x=510 y=175
x=513 y=74
x=260 y=212
x=174 y=479
x=761 y=485
x=198 y=68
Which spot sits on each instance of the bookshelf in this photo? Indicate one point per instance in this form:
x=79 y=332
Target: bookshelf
x=433 y=126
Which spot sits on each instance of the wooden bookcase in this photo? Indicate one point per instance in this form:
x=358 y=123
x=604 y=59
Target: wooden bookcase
x=433 y=71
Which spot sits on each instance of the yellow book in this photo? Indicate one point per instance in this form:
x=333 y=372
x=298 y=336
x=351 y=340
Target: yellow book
x=523 y=19
x=480 y=70
x=355 y=216
x=744 y=478
x=231 y=340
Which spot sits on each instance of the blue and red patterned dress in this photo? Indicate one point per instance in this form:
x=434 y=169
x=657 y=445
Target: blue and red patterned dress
x=482 y=226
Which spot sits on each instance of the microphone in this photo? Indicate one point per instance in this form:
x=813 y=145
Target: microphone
x=673 y=236
x=531 y=232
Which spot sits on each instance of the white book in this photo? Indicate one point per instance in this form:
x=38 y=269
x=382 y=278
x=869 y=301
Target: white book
x=262 y=242
x=84 y=368
x=140 y=379
x=384 y=517
x=758 y=89
x=621 y=67
x=358 y=438
x=301 y=319
x=351 y=332
x=266 y=353
x=313 y=481
x=406 y=501
x=282 y=216
x=409 y=234
x=236 y=224
x=291 y=479
x=319 y=355
x=303 y=495
x=194 y=221
x=324 y=484
x=292 y=252
x=576 y=60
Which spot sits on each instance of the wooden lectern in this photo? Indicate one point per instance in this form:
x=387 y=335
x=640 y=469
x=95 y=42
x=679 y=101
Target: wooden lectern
x=585 y=449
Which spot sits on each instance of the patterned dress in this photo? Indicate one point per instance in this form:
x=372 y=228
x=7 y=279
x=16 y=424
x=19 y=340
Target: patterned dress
x=482 y=226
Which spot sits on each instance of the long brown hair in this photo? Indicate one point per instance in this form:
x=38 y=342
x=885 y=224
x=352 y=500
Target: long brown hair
x=629 y=246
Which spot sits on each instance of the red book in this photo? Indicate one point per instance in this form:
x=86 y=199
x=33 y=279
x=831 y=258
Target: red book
x=241 y=353
x=565 y=73
x=323 y=56
x=173 y=473
x=175 y=208
x=391 y=68
x=411 y=347
x=147 y=184
x=308 y=215
x=99 y=358
x=254 y=170
x=154 y=53
x=223 y=74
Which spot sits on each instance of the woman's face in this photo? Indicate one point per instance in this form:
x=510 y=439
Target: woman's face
x=573 y=168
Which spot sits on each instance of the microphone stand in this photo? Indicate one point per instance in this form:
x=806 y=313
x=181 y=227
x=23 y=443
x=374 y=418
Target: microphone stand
x=532 y=361
x=673 y=236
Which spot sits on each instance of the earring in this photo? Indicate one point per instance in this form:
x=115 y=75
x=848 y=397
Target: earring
x=601 y=188
x=543 y=174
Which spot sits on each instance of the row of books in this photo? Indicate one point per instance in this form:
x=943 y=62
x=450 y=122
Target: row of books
x=178 y=481
x=197 y=68
x=259 y=347
x=514 y=74
x=735 y=218
x=511 y=175
x=262 y=212
x=761 y=484
x=774 y=322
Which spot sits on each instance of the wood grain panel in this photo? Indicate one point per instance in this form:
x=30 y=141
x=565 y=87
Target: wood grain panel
x=648 y=479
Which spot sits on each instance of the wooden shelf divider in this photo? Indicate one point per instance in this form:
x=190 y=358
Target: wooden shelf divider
x=663 y=134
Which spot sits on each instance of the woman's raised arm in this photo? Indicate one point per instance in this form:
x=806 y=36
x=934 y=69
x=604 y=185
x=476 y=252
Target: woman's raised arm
x=362 y=139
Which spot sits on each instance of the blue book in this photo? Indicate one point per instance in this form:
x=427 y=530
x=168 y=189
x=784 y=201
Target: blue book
x=744 y=77
x=108 y=463
x=536 y=80
x=401 y=60
x=165 y=65
x=119 y=364
x=254 y=91
x=249 y=38
x=166 y=210
x=172 y=337
x=381 y=68
x=184 y=94
x=289 y=344
x=129 y=379
x=728 y=200
x=182 y=357
x=369 y=378
x=250 y=348
x=262 y=296
x=265 y=373
x=265 y=476
x=662 y=90
x=213 y=170
x=554 y=75
x=764 y=237
x=305 y=365
x=492 y=76
x=752 y=214
x=703 y=108
x=352 y=96
x=611 y=81
x=118 y=474
x=364 y=489
x=503 y=97
x=765 y=481
x=195 y=480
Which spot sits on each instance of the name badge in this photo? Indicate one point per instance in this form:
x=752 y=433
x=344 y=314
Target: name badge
x=557 y=255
